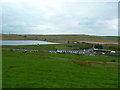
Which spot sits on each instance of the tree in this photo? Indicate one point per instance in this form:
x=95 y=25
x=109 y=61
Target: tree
x=98 y=46
x=68 y=41
x=25 y=36
x=45 y=39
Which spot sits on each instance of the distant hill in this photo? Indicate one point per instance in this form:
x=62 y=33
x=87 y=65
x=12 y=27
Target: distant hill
x=64 y=38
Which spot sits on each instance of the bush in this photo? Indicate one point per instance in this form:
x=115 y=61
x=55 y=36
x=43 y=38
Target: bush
x=11 y=50
x=98 y=46
x=113 y=60
x=25 y=36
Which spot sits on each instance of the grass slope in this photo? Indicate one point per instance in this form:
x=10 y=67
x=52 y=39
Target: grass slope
x=69 y=46
x=61 y=38
x=47 y=70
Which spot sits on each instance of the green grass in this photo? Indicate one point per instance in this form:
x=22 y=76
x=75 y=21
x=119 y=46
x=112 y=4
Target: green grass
x=53 y=47
x=50 y=70
x=0 y=67
x=41 y=47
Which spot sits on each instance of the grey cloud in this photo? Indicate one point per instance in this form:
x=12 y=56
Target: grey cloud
x=68 y=18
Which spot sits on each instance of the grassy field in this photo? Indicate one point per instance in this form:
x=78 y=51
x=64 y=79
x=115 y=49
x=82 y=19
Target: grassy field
x=53 y=70
x=0 y=67
x=62 y=38
x=65 y=46
x=50 y=70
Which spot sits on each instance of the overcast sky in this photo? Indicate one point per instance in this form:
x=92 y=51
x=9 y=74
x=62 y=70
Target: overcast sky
x=59 y=17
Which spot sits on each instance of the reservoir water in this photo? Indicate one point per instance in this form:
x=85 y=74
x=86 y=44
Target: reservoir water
x=24 y=42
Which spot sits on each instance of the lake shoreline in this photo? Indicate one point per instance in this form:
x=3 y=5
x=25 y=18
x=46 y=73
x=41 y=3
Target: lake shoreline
x=25 y=42
x=63 y=38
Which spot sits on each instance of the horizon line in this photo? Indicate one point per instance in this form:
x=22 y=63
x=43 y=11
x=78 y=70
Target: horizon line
x=58 y=34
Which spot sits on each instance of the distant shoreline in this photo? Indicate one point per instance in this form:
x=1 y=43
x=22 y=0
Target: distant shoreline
x=61 y=35
x=111 y=40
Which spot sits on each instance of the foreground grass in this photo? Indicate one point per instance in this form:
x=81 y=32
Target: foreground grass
x=0 y=67
x=47 y=70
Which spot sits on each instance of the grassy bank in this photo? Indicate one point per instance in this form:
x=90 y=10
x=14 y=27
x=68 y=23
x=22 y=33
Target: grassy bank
x=77 y=46
x=50 y=70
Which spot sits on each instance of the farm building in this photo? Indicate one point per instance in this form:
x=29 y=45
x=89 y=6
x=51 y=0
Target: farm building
x=104 y=51
x=89 y=52
x=79 y=52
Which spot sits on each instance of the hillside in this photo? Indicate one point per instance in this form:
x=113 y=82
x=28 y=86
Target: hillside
x=63 y=38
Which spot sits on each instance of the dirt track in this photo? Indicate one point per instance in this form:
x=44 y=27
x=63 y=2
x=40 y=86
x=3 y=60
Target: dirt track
x=107 y=43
